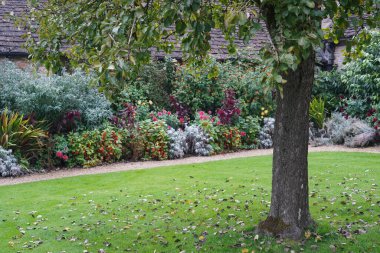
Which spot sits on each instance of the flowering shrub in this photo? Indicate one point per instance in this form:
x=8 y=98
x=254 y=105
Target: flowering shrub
x=8 y=164
x=170 y=119
x=229 y=111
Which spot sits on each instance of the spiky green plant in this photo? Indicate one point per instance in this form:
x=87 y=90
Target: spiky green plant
x=317 y=111
x=18 y=134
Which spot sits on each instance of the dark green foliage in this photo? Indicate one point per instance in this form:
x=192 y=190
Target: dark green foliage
x=154 y=83
x=353 y=90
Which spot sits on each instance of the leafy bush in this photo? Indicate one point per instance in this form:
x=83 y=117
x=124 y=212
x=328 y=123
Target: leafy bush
x=154 y=83
x=328 y=86
x=196 y=88
x=249 y=130
x=154 y=139
x=8 y=164
x=229 y=112
x=90 y=148
x=317 y=111
x=228 y=138
x=354 y=90
x=50 y=98
x=203 y=88
x=17 y=134
x=266 y=133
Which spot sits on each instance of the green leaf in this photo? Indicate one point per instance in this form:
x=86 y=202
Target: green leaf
x=277 y=78
x=310 y=4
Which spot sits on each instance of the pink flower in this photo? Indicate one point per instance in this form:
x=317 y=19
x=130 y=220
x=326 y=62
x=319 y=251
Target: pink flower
x=169 y=113
x=242 y=133
x=65 y=157
x=154 y=118
x=218 y=123
x=181 y=120
x=59 y=154
x=201 y=113
x=169 y=127
x=159 y=114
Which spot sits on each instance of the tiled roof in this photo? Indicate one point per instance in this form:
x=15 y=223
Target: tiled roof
x=11 y=41
x=11 y=36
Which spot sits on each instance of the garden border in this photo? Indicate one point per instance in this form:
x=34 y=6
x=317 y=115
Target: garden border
x=127 y=166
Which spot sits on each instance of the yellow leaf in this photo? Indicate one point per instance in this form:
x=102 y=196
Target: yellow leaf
x=244 y=251
x=307 y=234
x=201 y=238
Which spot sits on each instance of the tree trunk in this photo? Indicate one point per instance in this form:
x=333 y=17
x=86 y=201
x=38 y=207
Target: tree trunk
x=289 y=212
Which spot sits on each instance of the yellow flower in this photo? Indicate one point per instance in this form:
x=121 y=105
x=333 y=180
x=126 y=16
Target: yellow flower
x=262 y=108
x=266 y=111
x=139 y=102
x=262 y=113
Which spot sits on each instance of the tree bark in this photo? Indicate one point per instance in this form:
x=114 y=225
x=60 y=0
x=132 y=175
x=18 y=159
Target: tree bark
x=289 y=212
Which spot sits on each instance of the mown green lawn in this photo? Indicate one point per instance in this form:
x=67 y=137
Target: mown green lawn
x=210 y=207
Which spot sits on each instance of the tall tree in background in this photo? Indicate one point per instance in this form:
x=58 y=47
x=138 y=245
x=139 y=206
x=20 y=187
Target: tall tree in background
x=114 y=37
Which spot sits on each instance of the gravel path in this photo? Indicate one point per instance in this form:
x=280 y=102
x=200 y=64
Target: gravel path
x=154 y=164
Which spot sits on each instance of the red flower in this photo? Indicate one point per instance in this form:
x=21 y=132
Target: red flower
x=374 y=120
x=169 y=113
x=65 y=157
x=242 y=133
x=218 y=123
x=376 y=127
x=59 y=154
x=181 y=120
x=154 y=119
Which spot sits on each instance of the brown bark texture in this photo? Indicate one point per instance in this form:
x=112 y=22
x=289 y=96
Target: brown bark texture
x=289 y=212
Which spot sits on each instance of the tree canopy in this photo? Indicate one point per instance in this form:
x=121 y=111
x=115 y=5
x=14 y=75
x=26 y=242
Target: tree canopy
x=113 y=37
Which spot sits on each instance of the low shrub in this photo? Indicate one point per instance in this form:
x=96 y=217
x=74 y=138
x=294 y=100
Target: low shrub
x=191 y=141
x=351 y=132
x=8 y=164
x=89 y=148
x=266 y=133
x=228 y=138
x=336 y=126
x=154 y=139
